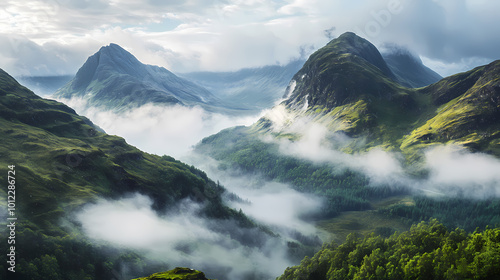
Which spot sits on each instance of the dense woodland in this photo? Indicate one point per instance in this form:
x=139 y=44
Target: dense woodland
x=463 y=213
x=427 y=251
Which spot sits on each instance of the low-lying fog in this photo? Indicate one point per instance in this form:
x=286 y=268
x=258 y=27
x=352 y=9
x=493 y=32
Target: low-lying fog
x=159 y=129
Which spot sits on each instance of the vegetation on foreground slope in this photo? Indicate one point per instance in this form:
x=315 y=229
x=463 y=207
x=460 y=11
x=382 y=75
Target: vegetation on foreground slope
x=179 y=273
x=427 y=251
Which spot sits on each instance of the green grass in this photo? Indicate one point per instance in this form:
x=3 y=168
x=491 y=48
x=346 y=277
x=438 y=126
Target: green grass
x=179 y=273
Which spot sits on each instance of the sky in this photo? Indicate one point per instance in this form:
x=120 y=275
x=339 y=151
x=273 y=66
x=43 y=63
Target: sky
x=55 y=37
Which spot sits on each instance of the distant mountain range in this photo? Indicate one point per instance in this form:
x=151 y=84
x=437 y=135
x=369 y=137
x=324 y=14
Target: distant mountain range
x=44 y=85
x=114 y=79
x=251 y=88
x=409 y=69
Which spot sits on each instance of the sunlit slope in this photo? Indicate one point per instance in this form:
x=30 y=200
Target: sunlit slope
x=467 y=112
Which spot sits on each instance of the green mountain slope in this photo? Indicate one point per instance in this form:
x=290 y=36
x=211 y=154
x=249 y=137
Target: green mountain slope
x=467 y=112
x=62 y=161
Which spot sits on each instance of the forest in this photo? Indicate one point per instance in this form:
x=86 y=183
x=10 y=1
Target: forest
x=427 y=251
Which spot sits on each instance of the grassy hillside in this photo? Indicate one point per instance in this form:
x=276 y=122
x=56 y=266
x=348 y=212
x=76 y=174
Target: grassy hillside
x=467 y=112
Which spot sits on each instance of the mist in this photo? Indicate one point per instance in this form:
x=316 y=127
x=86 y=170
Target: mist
x=159 y=129
x=182 y=238
x=451 y=170
x=270 y=203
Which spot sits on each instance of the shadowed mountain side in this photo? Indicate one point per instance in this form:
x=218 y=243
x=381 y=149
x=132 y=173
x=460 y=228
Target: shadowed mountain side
x=409 y=69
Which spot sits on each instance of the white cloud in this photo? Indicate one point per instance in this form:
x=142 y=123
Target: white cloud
x=158 y=129
x=455 y=170
x=228 y=35
x=274 y=204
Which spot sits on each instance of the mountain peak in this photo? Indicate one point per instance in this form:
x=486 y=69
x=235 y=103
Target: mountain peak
x=343 y=70
x=350 y=43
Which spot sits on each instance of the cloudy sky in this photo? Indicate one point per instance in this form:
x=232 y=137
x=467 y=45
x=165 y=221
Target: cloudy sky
x=51 y=37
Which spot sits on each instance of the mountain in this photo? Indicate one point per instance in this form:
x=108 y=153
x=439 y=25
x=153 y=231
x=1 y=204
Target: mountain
x=346 y=87
x=114 y=79
x=409 y=69
x=251 y=88
x=44 y=85
x=62 y=162
x=344 y=110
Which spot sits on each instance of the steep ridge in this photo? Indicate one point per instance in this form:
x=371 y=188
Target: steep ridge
x=114 y=79
x=340 y=72
x=348 y=87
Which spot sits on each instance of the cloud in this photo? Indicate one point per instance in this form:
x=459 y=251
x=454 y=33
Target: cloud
x=182 y=238
x=158 y=129
x=451 y=170
x=227 y=35
x=273 y=204
x=456 y=170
